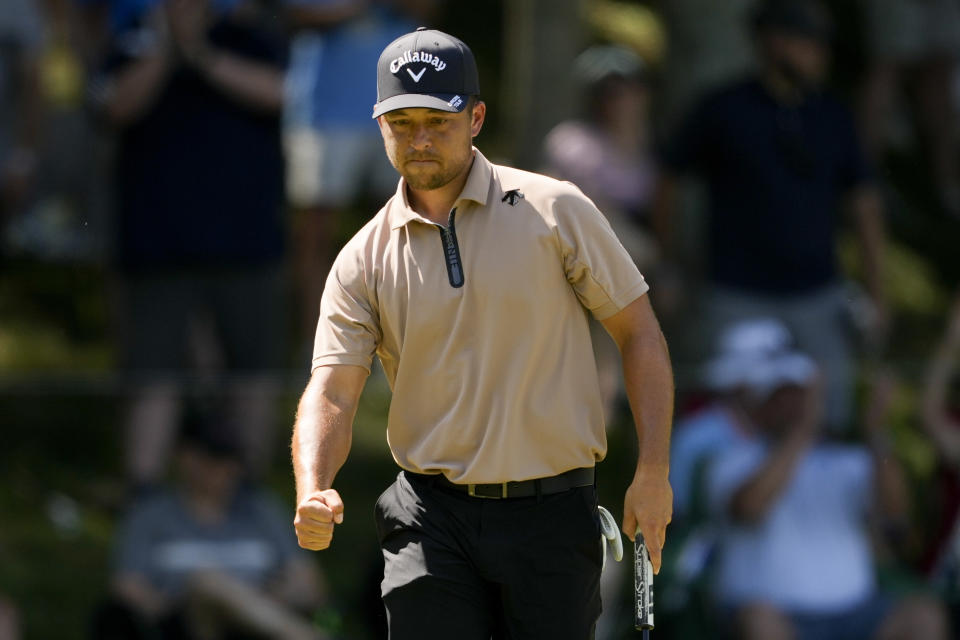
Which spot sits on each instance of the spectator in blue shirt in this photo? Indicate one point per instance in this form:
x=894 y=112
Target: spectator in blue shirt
x=334 y=152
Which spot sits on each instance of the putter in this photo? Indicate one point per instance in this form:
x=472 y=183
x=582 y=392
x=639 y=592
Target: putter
x=643 y=587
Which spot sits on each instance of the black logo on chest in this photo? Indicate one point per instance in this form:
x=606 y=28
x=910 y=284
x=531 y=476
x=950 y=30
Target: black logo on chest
x=512 y=197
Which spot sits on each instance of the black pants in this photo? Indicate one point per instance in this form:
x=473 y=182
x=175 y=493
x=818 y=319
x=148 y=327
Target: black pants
x=465 y=568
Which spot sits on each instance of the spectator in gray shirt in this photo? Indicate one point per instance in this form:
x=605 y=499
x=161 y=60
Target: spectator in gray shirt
x=210 y=551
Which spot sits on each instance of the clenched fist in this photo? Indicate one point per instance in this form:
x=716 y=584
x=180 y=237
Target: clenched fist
x=316 y=517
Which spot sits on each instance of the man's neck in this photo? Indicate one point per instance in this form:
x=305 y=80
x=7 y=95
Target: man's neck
x=435 y=204
x=782 y=89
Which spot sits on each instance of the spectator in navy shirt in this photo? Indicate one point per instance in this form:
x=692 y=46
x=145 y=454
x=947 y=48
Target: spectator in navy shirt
x=779 y=157
x=195 y=89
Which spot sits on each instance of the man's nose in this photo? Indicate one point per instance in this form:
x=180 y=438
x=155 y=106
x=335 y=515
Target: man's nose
x=421 y=138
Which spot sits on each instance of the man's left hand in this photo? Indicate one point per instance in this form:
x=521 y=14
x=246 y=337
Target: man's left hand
x=648 y=506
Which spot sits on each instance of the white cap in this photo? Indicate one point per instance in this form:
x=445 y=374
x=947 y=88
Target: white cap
x=758 y=354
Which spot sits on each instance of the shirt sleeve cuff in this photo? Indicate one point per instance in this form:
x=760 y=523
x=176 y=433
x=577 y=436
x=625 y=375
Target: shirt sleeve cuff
x=341 y=358
x=620 y=301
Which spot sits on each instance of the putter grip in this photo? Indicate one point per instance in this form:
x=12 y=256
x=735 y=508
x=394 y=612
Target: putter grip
x=643 y=585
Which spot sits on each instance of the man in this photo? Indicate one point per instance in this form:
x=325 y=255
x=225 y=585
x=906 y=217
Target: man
x=194 y=89
x=780 y=157
x=209 y=552
x=472 y=285
x=753 y=358
x=795 y=556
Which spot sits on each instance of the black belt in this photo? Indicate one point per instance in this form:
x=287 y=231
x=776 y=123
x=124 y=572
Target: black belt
x=583 y=477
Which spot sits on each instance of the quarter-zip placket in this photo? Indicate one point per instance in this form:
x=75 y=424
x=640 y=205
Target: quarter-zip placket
x=451 y=251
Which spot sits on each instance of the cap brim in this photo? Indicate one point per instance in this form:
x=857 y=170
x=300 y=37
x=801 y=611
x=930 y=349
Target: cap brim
x=439 y=101
x=758 y=371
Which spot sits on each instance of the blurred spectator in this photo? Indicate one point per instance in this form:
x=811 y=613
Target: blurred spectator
x=754 y=357
x=63 y=209
x=210 y=557
x=9 y=621
x=195 y=89
x=333 y=147
x=941 y=418
x=779 y=157
x=795 y=557
x=607 y=153
x=21 y=42
x=914 y=46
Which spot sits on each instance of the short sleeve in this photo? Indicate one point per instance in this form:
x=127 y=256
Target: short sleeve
x=348 y=331
x=133 y=546
x=599 y=269
x=692 y=443
x=728 y=471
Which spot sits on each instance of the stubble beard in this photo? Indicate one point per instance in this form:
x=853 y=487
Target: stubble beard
x=429 y=181
x=443 y=175
x=446 y=171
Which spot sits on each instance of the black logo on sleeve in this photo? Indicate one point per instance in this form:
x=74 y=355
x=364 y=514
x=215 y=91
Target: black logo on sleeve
x=513 y=197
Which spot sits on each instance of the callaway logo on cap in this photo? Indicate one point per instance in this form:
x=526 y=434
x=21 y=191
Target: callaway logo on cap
x=426 y=68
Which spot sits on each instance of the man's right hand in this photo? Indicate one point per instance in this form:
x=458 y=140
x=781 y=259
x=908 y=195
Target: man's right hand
x=317 y=514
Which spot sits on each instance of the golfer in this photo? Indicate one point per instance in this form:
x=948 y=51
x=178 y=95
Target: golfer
x=473 y=285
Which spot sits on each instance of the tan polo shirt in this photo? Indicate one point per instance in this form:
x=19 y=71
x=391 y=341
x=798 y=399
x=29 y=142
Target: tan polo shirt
x=482 y=327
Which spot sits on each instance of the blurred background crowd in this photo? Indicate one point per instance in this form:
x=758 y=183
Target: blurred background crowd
x=177 y=175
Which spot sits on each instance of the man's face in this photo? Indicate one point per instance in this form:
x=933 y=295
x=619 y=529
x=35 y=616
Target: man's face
x=804 y=59
x=430 y=147
x=208 y=475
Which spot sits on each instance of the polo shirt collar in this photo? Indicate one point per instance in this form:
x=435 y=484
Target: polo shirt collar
x=475 y=189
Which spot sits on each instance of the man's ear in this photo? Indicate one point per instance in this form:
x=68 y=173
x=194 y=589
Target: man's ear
x=478 y=115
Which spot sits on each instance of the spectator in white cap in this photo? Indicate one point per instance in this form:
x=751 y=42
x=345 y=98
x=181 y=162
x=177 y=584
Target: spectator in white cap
x=753 y=358
x=795 y=556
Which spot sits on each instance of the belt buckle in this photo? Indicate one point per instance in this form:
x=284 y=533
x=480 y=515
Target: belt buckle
x=472 y=491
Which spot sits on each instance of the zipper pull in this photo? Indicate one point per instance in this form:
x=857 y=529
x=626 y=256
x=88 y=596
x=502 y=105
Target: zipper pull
x=451 y=251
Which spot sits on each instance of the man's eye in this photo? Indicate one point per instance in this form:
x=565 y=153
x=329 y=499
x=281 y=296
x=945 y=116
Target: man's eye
x=438 y=121
x=400 y=123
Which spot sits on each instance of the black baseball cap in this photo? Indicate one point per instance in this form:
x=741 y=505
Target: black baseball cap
x=805 y=18
x=425 y=68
